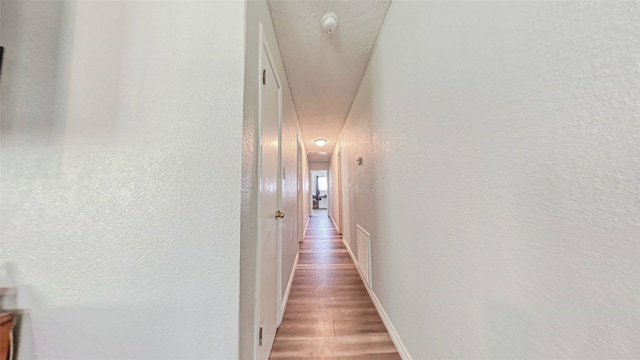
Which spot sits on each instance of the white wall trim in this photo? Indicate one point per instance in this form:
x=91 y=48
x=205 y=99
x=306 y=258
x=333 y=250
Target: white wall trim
x=353 y=257
x=402 y=350
x=286 y=294
x=334 y=224
x=304 y=233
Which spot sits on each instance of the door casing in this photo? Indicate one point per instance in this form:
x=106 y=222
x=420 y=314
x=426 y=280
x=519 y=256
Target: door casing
x=300 y=187
x=265 y=61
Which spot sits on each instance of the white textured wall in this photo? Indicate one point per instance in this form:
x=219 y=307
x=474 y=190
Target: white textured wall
x=258 y=12
x=500 y=184
x=121 y=163
x=319 y=166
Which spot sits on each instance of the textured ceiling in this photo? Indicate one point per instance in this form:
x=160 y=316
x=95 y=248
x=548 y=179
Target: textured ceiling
x=324 y=71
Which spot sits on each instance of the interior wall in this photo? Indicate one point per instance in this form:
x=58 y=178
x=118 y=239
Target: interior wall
x=120 y=174
x=258 y=12
x=500 y=178
x=319 y=166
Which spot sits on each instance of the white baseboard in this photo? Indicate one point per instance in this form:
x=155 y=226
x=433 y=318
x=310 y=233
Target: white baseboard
x=353 y=257
x=402 y=350
x=286 y=293
x=306 y=224
x=334 y=223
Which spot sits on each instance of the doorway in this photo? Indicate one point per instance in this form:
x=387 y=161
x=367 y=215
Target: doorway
x=319 y=191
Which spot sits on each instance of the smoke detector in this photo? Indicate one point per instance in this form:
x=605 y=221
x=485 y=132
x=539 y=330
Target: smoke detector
x=330 y=22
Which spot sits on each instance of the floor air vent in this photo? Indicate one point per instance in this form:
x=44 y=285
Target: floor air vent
x=364 y=252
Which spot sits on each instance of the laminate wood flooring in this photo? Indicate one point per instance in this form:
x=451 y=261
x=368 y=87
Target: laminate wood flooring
x=329 y=314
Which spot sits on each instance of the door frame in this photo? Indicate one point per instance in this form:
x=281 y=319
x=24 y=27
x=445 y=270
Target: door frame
x=339 y=197
x=300 y=187
x=263 y=43
x=345 y=215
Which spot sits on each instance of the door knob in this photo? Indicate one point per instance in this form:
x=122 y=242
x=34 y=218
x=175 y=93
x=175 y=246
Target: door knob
x=279 y=215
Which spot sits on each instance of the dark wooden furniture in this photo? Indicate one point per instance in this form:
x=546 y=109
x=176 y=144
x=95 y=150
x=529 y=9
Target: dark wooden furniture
x=6 y=325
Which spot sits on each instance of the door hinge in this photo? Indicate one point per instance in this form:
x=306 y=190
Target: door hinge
x=264 y=77
x=260 y=337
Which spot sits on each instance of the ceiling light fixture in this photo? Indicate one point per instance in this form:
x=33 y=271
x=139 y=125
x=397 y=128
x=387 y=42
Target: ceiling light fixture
x=330 y=22
x=320 y=142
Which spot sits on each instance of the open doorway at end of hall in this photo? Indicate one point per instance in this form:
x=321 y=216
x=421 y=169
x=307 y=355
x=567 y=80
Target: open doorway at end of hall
x=319 y=188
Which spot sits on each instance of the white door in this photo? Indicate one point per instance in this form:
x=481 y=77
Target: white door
x=269 y=194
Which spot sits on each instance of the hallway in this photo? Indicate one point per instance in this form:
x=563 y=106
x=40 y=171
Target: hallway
x=329 y=313
x=483 y=156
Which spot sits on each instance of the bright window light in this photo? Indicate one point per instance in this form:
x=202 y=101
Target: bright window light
x=322 y=183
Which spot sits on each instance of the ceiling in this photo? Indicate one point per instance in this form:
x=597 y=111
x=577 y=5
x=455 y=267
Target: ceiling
x=324 y=71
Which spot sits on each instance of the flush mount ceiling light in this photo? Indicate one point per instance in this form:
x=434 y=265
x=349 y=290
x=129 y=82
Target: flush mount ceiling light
x=330 y=22
x=320 y=142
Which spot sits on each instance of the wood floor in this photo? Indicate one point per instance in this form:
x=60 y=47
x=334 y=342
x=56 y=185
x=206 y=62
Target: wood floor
x=329 y=314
